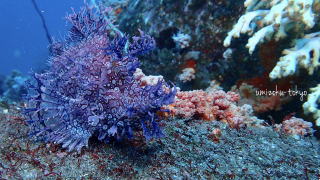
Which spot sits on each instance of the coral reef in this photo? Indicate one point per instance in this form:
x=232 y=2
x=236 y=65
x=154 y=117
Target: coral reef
x=305 y=54
x=311 y=105
x=260 y=103
x=274 y=20
x=187 y=74
x=182 y=40
x=146 y=80
x=295 y=126
x=188 y=152
x=179 y=33
x=213 y=105
x=278 y=19
x=97 y=96
x=90 y=88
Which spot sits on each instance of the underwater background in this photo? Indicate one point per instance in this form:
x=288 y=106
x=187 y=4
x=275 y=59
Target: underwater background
x=22 y=34
x=168 y=89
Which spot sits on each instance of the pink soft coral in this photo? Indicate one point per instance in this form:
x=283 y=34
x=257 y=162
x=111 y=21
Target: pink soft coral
x=213 y=105
x=295 y=126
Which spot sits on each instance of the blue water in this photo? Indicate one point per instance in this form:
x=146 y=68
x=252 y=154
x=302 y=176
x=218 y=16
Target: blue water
x=23 y=42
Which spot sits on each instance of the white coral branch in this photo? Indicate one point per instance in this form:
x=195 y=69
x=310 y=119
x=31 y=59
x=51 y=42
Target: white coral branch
x=275 y=12
x=311 y=105
x=306 y=54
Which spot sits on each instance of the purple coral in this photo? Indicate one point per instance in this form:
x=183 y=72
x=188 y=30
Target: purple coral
x=89 y=88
